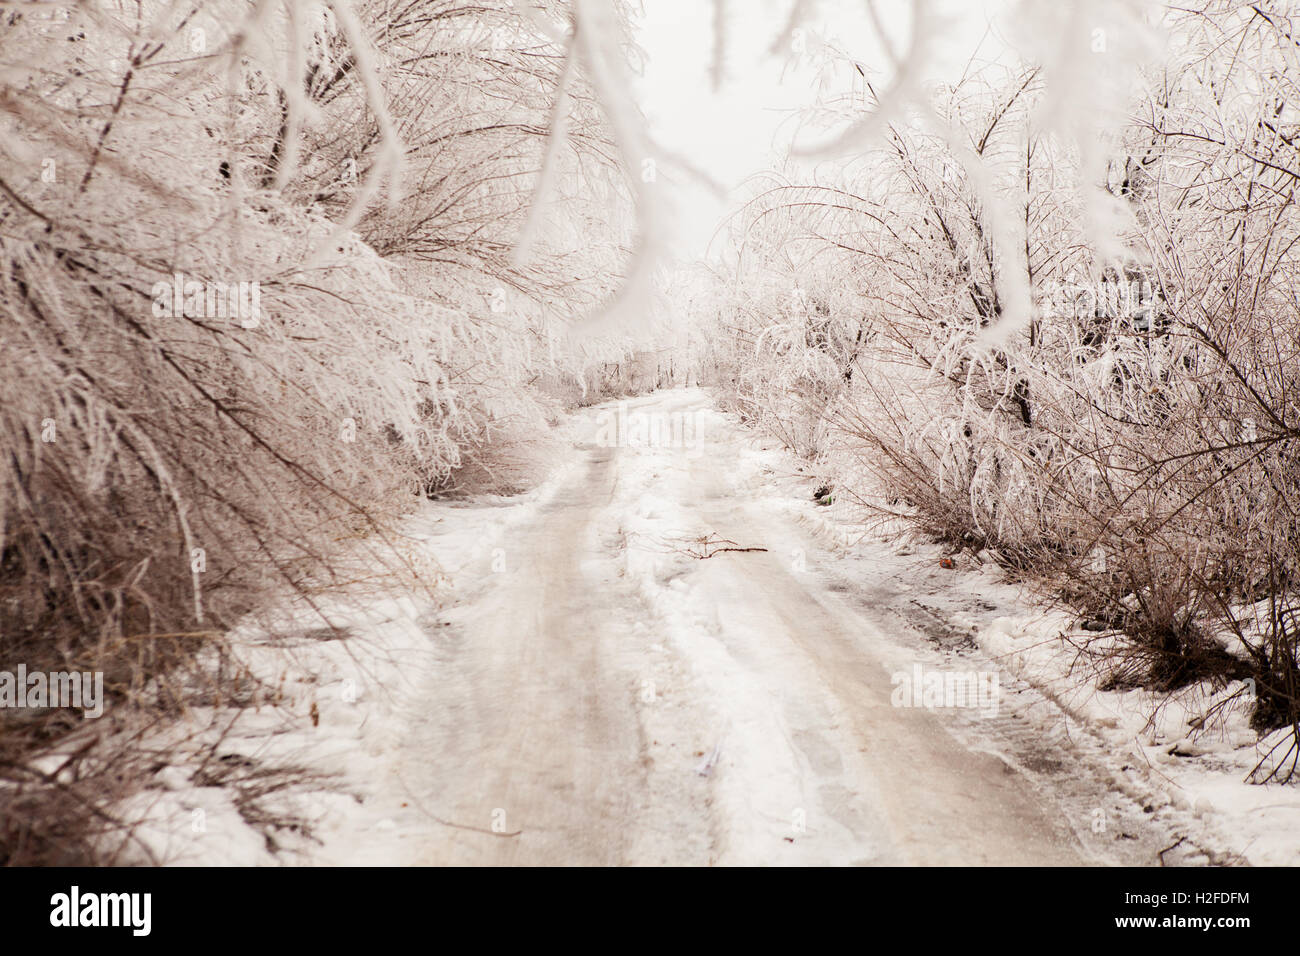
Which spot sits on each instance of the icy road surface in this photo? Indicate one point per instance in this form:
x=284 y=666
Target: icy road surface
x=605 y=693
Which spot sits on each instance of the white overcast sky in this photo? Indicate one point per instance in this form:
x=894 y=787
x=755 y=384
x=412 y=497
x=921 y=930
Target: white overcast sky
x=739 y=129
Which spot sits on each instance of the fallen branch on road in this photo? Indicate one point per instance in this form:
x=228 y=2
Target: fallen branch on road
x=706 y=546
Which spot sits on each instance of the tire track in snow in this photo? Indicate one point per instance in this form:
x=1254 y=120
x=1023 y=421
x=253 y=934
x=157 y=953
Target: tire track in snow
x=579 y=693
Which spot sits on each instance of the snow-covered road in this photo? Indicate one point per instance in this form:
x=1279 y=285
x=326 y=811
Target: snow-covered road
x=604 y=692
x=668 y=654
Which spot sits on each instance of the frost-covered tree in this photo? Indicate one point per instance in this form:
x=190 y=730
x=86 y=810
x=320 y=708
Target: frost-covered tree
x=1072 y=341
x=261 y=287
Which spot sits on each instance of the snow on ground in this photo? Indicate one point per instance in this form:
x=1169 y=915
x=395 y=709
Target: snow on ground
x=1191 y=779
x=365 y=694
x=1196 y=775
x=1188 y=784
x=596 y=682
